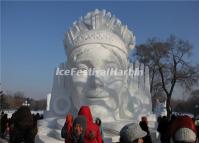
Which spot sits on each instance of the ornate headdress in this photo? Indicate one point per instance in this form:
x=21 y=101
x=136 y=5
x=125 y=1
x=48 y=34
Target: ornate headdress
x=102 y=28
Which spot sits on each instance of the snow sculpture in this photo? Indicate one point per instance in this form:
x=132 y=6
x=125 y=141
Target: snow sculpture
x=100 y=41
x=160 y=108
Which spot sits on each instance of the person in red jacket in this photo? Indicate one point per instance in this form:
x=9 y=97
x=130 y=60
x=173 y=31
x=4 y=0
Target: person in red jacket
x=92 y=134
x=67 y=129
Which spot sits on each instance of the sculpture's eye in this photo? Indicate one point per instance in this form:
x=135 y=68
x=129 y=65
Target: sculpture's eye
x=80 y=73
x=82 y=67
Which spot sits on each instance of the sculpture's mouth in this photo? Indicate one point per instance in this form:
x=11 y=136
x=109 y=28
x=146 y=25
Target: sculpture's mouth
x=97 y=94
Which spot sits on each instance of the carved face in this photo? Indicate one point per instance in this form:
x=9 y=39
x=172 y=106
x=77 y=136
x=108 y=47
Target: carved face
x=100 y=91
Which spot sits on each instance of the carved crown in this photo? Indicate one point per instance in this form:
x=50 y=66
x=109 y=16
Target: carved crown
x=99 y=27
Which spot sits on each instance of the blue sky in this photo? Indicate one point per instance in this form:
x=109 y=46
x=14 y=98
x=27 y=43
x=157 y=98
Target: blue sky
x=32 y=35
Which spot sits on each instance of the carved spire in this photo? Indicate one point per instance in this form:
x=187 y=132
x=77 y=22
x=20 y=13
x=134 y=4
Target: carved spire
x=99 y=26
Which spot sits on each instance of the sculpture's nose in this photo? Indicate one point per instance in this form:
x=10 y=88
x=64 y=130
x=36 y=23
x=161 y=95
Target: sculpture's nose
x=96 y=82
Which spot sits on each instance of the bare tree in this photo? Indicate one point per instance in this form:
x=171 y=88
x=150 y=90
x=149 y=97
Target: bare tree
x=18 y=99
x=168 y=63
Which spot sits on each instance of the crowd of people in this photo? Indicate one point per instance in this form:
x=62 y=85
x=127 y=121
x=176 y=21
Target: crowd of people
x=21 y=127
x=82 y=129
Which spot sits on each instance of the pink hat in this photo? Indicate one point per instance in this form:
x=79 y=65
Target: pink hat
x=185 y=135
x=183 y=129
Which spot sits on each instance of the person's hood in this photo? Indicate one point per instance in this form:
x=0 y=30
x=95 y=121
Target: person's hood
x=85 y=111
x=69 y=122
x=69 y=118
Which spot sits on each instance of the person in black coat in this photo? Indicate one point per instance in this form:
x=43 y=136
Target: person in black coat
x=4 y=121
x=163 y=129
x=144 y=125
x=23 y=126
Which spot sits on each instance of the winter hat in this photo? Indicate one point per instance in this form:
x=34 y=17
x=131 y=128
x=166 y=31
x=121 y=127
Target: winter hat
x=183 y=129
x=185 y=135
x=131 y=132
x=69 y=121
